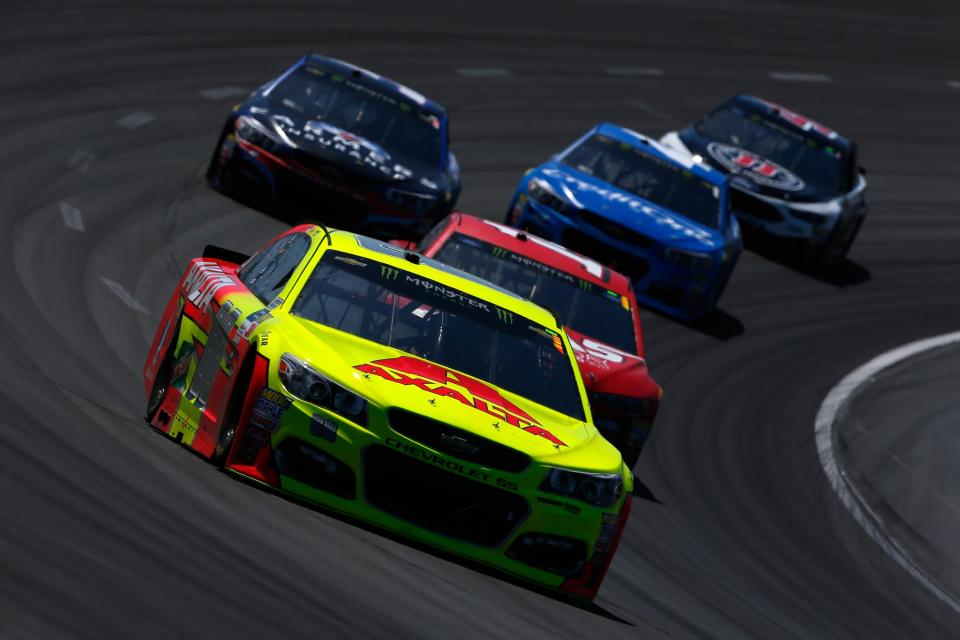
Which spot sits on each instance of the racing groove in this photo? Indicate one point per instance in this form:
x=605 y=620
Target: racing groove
x=109 y=530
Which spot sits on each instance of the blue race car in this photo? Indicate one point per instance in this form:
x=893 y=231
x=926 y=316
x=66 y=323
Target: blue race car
x=652 y=213
x=792 y=179
x=334 y=142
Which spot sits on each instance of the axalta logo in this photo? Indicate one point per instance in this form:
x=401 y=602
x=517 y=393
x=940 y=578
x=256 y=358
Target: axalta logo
x=760 y=170
x=437 y=380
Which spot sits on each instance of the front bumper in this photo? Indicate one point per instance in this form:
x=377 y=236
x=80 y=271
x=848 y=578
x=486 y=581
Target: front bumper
x=490 y=512
x=826 y=234
x=658 y=283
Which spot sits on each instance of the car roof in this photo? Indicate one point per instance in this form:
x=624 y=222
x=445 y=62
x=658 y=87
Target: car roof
x=374 y=81
x=790 y=119
x=667 y=154
x=394 y=256
x=544 y=251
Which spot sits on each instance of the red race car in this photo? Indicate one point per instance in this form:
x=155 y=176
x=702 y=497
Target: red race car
x=595 y=304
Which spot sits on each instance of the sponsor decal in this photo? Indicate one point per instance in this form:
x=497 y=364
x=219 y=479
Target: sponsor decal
x=451 y=465
x=601 y=351
x=592 y=267
x=349 y=260
x=760 y=170
x=388 y=273
x=635 y=204
x=227 y=316
x=250 y=323
x=323 y=427
x=203 y=281
x=802 y=121
x=275 y=303
x=437 y=289
x=183 y=363
x=268 y=410
x=362 y=152
x=608 y=532
x=434 y=379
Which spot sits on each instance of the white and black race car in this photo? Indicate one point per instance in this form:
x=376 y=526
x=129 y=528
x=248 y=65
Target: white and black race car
x=791 y=177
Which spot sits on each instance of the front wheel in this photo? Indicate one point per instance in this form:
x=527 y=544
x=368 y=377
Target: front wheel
x=231 y=418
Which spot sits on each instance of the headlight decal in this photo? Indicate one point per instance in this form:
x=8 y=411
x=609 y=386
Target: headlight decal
x=542 y=192
x=597 y=489
x=308 y=384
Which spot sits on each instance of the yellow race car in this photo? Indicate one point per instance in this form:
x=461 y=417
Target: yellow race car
x=385 y=385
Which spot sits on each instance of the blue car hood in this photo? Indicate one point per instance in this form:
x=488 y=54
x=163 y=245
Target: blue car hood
x=622 y=207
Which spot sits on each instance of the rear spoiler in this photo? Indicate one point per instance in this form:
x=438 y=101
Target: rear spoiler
x=226 y=255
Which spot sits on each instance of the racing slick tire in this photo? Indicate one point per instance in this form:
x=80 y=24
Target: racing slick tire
x=231 y=417
x=163 y=379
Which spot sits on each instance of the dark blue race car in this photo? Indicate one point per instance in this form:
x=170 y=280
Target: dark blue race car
x=793 y=179
x=331 y=141
x=649 y=212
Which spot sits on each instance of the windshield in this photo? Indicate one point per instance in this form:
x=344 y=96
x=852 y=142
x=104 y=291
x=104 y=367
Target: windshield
x=644 y=175
x=822 y=166
x=396 y=308
x=398 y=126
x=584 y=307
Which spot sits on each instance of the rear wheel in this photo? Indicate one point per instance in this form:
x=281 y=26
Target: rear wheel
x=161 y=383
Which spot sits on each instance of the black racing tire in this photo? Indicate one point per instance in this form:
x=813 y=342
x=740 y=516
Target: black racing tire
x=163 y=379
x=231 y=417
x=217 y=170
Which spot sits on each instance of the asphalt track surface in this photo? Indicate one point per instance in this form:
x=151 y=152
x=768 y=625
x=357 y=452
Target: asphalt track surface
x=898 y=442
x=108 y=530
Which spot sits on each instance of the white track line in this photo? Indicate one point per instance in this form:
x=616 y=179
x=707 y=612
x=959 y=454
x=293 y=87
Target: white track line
x=825 y=429
x=643 y=106
x=124 y=295
x=792 y=76
x=80 y=160
x=72 y=217
x=633 y=71
x=219 y=93
x=135 y=120
x=484 y=72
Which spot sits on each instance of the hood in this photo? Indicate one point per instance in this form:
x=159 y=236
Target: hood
x=606 y=369
x=352 y=153
x=755 y=173
x=388 y=377
x=624 y=208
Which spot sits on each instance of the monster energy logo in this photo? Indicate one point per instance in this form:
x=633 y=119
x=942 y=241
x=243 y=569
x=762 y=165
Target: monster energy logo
x=505 y=316
x=388 y=273
x=499 y=252
x=585 y=285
